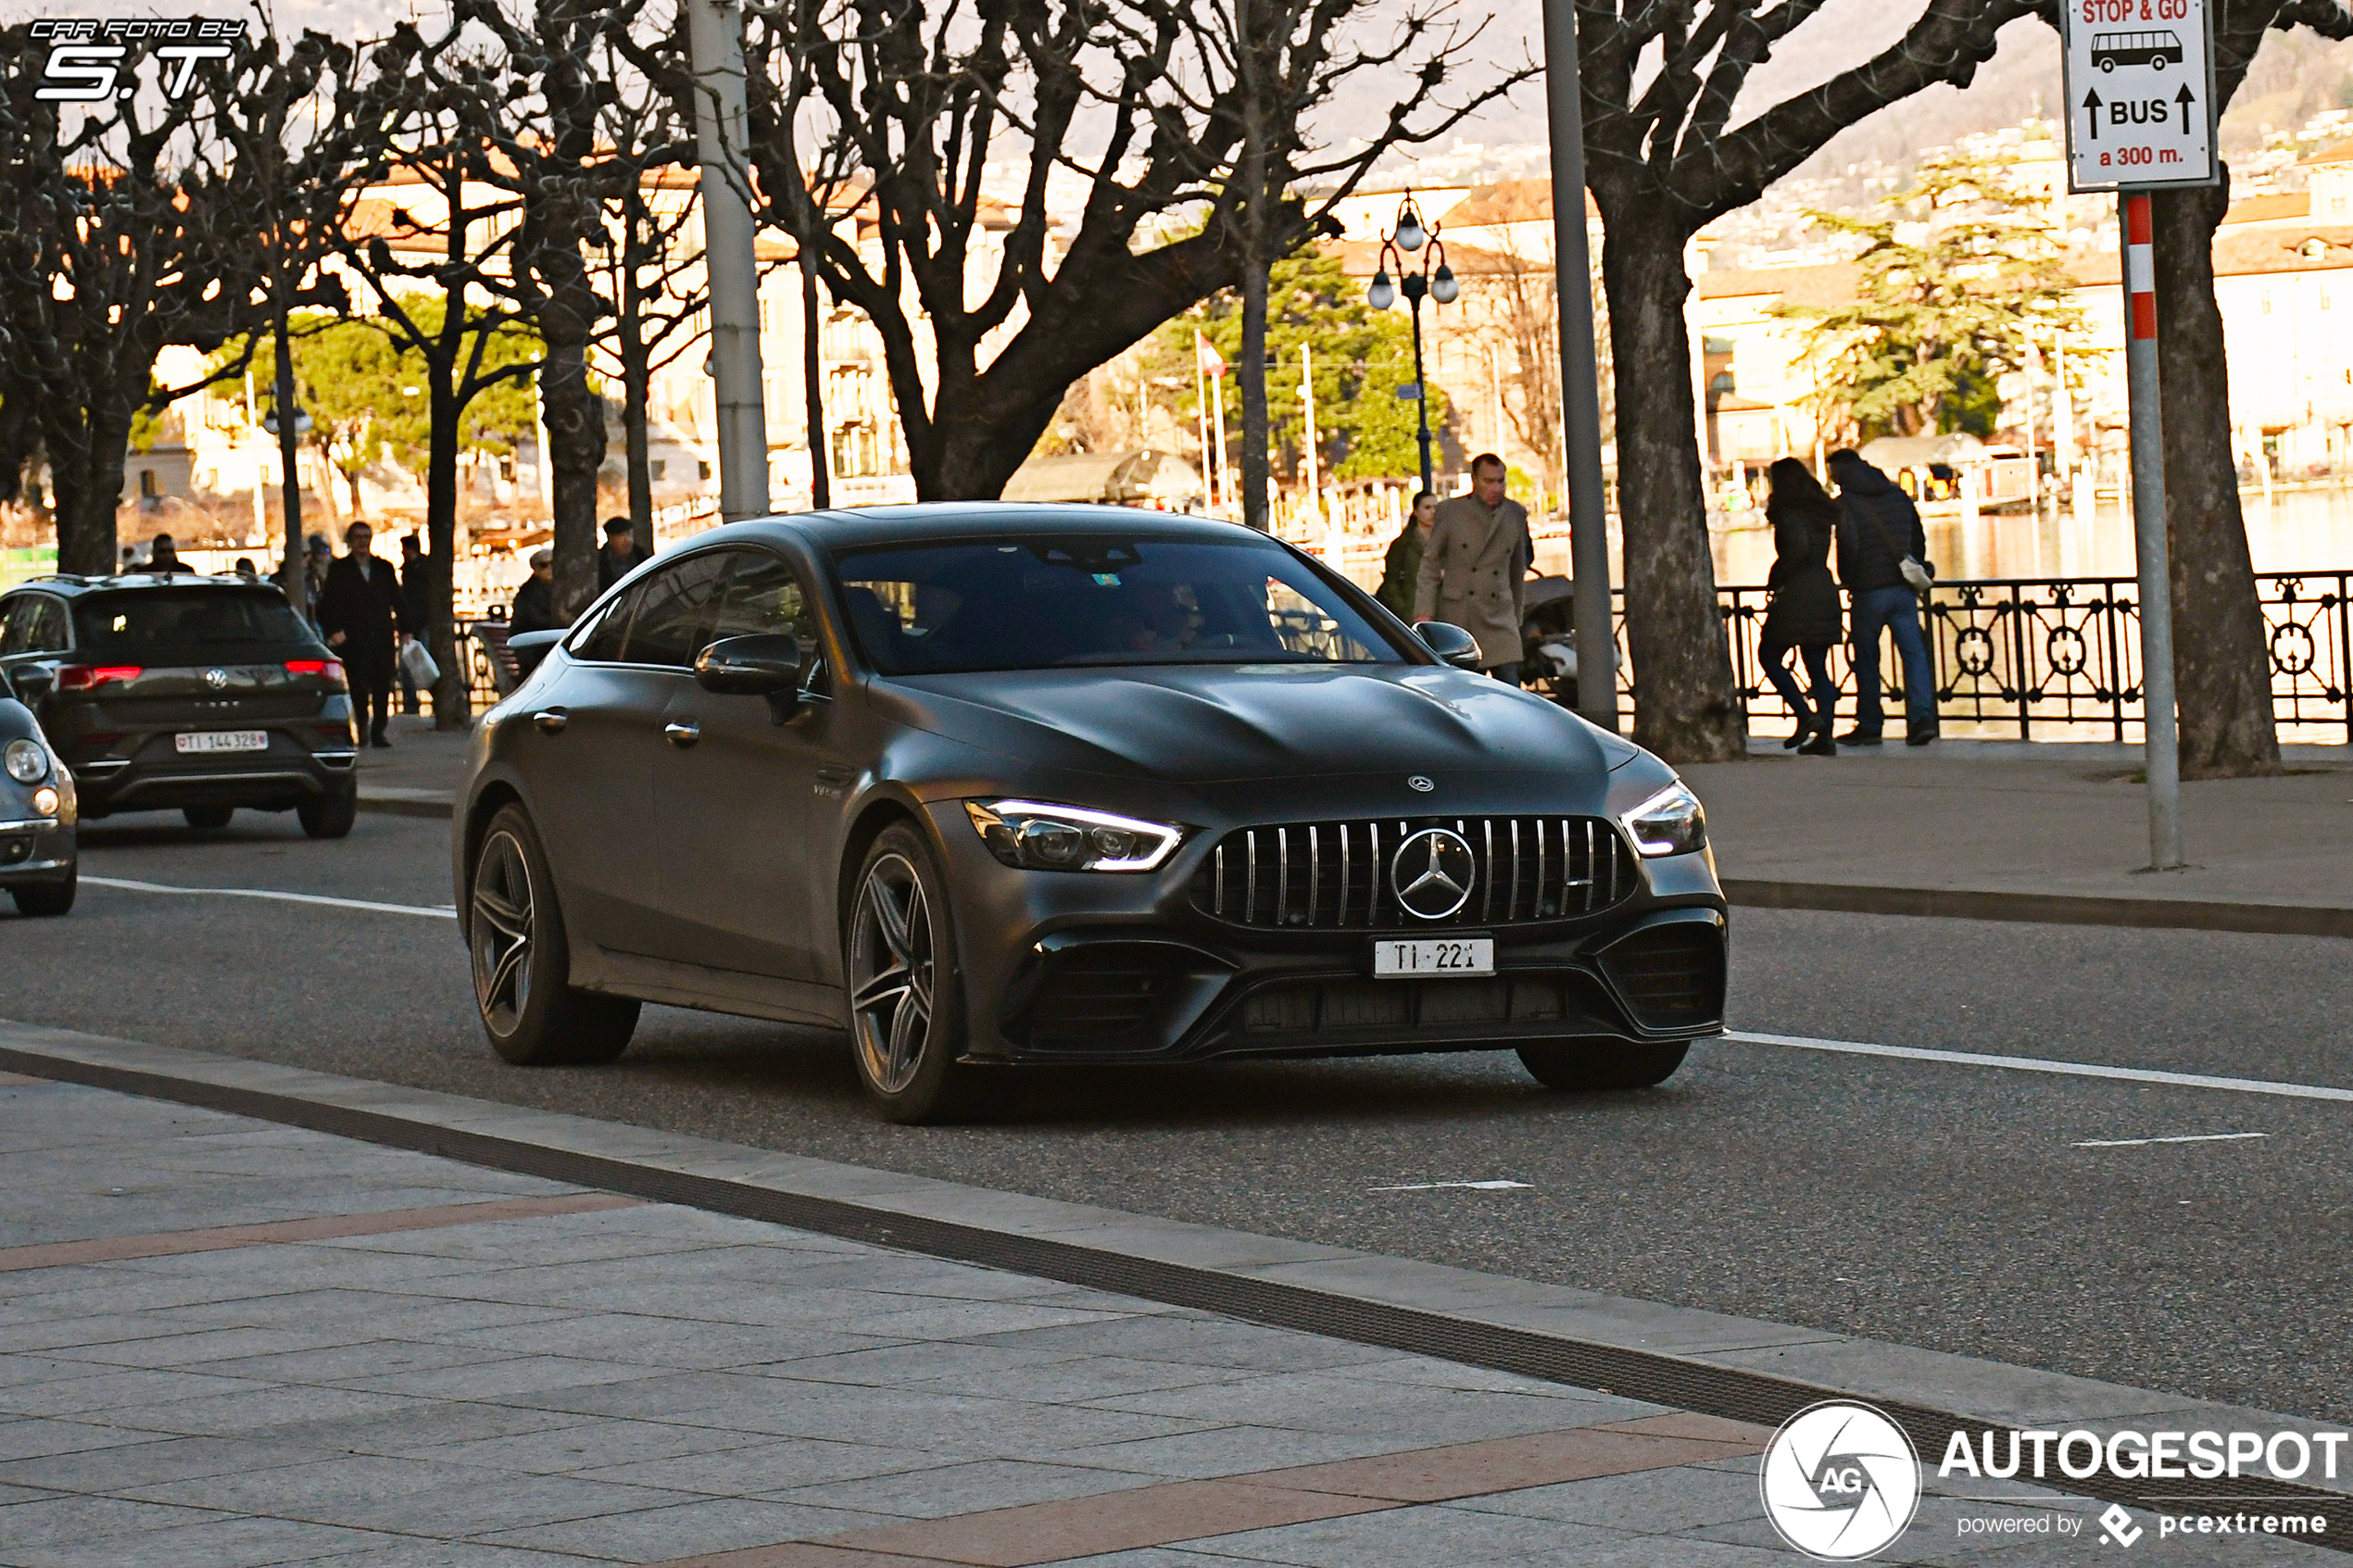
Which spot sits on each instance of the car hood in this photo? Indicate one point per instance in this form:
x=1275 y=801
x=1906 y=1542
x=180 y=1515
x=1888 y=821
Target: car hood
x=1212 y=723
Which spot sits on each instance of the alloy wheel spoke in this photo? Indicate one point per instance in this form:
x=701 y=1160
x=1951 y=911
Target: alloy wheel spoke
x=503 y=985
x=872 y=995
x=890 y=919
x=905 y=1040
x=501 y=914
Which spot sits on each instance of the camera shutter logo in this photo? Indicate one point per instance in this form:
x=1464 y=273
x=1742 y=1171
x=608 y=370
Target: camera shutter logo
x=1432 y=873
x=1841 y=1480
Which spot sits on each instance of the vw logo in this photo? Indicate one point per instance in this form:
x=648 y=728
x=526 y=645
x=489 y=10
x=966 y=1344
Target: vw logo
x=1432 y=873
x=216 y=679
x=1420 y=785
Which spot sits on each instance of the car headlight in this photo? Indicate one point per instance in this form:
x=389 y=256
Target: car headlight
x=26 y=762
x=1671 y=823
x=1067 y=838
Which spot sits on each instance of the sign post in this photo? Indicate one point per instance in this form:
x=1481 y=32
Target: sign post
x=2140 y=96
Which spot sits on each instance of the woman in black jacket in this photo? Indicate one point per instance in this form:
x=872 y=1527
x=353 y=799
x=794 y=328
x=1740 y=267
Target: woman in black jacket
x=1804 y=613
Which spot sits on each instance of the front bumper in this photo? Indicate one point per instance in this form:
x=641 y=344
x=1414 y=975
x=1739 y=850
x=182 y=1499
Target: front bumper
x=35 y=851
x=1070 y=967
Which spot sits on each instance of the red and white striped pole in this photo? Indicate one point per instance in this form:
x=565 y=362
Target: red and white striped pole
x=2161 y=750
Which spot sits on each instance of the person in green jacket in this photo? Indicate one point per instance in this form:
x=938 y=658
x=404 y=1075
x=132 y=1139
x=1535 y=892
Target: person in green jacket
x=1401 y=568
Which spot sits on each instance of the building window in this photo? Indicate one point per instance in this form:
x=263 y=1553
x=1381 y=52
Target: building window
x=148 y=490
x=658 y=466
x=702 y=469
x=1720 y=385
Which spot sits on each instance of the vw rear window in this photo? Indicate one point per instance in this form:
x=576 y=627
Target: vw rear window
x=185 y=617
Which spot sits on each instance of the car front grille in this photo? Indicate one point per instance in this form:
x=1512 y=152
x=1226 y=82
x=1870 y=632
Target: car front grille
x=1336 y=876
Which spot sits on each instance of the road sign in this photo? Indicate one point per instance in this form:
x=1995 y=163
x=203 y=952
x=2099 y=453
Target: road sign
x=2140 y=94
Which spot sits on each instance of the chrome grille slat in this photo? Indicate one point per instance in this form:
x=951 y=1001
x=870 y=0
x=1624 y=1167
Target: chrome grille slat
x=1532 y=866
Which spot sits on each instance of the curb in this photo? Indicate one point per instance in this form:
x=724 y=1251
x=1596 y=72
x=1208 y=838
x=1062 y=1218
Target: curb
x=420 y=803
x=2052 y=908
x=1713 y=1363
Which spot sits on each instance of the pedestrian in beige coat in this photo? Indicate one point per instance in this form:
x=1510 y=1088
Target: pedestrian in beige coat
x=1474 y=568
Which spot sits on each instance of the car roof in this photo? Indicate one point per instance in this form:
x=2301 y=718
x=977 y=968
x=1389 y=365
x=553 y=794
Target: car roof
x=134 y=581
x=938 y=519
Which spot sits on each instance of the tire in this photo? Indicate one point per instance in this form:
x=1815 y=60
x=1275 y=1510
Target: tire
x=328 y=816
x=40 y=901
x=208 y=819
x=905 y=1002
x=522 y=960
x=1587 y=1066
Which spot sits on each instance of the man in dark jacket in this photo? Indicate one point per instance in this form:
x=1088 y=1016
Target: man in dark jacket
x=622 y=553
x=1877 y=526
x=534 y=606
x=359 y=614
x=416 y=606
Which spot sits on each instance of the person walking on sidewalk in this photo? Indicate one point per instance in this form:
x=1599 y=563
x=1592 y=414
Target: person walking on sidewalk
x=1804 y=613
x=1401 y=570
x=415 y=607
x=1475 y=568
x=360 y=613
x=1878 y=529
x=535 y=604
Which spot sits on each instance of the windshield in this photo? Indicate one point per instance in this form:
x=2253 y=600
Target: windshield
x=1058 y=600
x=134 y=623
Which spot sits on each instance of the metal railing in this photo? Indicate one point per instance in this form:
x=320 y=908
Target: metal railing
x=2029 y=655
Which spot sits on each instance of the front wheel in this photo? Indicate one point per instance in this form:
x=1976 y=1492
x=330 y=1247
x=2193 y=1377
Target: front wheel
x=1588 y=1066
x=41 y=899
x=906 y=1004
x=522 y=959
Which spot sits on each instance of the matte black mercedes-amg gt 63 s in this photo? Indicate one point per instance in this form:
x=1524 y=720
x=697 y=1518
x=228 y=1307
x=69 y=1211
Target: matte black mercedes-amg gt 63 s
x=995 y=784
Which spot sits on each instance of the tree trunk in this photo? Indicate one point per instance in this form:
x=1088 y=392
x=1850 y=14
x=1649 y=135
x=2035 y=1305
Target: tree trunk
x=87 y=448
x=86 y=540
x=452 y=695
x=2221 y=656
x=820 y=487
x=1254 y=378
x=1685 y=707
x=637 y=380
x=575 y=416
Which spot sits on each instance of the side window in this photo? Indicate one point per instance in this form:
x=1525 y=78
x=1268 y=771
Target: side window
x=764 y=596
x=32 y=623
x=679 y=608
x=16 y=619
x=601 y=642
x=49 y=627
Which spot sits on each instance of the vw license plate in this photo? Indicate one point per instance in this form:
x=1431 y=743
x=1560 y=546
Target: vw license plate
x=222 y=740
x=1428 y=958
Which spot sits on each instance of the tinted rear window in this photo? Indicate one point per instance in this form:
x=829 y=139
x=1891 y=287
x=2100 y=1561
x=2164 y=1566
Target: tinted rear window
x=185 y=617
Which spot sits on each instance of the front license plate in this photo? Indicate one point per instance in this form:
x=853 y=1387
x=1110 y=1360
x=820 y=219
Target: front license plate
x=222 y=740
x=1428 y=958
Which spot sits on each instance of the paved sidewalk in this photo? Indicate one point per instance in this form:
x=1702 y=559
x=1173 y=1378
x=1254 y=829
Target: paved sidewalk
x=224 y=1342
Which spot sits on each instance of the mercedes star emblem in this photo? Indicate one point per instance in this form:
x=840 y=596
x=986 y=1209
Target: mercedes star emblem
x=216 y=679
x=1432 y=873
x=1420 y=785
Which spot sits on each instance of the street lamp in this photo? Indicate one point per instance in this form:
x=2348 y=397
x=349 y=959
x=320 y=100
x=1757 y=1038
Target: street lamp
x=1434 y=279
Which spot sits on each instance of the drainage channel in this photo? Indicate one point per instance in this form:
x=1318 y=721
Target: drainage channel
x=1728 y=1392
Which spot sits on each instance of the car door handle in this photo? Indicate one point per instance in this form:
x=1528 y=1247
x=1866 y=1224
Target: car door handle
x=683 y=735
x=551 y=720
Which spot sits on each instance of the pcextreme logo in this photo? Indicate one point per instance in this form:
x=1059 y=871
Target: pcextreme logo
x=1841 y=1480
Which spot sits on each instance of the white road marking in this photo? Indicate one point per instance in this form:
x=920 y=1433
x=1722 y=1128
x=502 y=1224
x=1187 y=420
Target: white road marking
x=1475 y=1186
x=431 y=912
x=2178 y=1138
x=2042 y=1064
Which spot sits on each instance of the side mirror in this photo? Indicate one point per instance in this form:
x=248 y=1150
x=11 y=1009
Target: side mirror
x=530 y=647
x=766 y=665
x=33 y=683
x=1450 y=643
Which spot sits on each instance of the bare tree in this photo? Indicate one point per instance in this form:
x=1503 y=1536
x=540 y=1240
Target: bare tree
x=139 y=222
x=2222 y=656
x=456 y=251
x=1660 y=80
x=888 y=113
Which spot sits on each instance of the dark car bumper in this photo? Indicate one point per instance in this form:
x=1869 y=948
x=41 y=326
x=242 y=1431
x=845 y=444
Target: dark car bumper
x=1124 y=968
x=158 y=779
x=34 y=850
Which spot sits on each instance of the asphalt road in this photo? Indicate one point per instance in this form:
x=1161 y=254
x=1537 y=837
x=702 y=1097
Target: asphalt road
x=1925 y=1203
